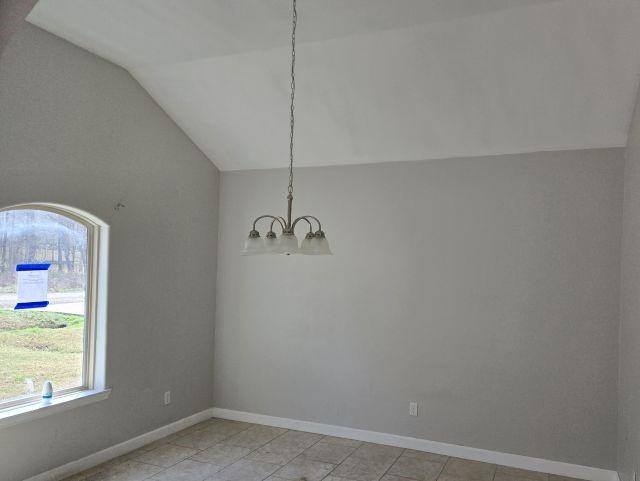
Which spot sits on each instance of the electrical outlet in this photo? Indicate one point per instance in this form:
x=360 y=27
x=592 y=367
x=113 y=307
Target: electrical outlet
x=167 y=398
x=413 y=408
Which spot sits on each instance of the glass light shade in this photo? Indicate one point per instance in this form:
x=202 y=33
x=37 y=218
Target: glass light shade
x=321 y=246
x=288 y=244
x=253 y=246
x=271 y=245
x=316 y=245
x=307 y=246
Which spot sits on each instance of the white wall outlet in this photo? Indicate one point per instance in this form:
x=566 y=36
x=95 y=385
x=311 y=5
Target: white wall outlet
x=413 y=408
x=167 y=398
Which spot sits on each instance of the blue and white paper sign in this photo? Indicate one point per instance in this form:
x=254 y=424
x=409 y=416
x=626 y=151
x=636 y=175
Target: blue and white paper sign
x=33 y=285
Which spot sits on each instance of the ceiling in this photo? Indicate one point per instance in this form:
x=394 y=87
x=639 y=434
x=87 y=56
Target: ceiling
x=377 y=80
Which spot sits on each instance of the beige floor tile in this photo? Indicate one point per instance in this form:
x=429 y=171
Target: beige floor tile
x=298 y=439
x=114 y=462
x=416 y=468
x=342 y=441
x=362 y=469
x=468 y=470
x=372 y=451
x=228 y=428
x=275 y=453
x=138 y=452
x=305 y=468
x=144 y=449
x=210 y=422
x=166 y=455
x=438 y=458
x=189 y=430
x=127 y=471
x=153 y=445
x=245 y=470
x=331 y=477
x=504 y=473
x=328 y=452
x=555 y=477
x=449 y=477
x=88 y=472
x=196 y=427
x=221 y=454
x=391 y=477
x=75 y=477
x=187 y=470
x=255 y=436
x=202 y=439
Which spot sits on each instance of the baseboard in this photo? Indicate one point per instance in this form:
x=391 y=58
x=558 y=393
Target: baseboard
x=107 y=454
x=506 y=459
x=476 y=454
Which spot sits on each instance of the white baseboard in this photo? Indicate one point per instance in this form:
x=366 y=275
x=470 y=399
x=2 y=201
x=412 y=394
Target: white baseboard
x=107 y=454
x=476 y=454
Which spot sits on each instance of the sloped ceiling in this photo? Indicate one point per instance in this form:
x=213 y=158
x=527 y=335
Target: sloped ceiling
x=377 y=80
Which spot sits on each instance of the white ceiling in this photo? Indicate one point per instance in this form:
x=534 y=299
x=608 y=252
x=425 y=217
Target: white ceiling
x=377 y=80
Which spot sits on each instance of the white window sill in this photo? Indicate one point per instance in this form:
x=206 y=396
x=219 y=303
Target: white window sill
x=29 y=412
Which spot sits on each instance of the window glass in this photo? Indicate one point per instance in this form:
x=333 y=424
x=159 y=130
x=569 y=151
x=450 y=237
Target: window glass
x=44 y=343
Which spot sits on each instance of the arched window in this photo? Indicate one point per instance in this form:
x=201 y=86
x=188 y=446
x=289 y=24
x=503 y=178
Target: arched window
x=52 y=305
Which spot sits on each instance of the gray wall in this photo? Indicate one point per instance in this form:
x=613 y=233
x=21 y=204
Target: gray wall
x=80 y=131
x=486 y=289
x=629 y=381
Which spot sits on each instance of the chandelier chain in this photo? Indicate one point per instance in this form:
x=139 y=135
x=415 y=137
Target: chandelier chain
x=293 y=93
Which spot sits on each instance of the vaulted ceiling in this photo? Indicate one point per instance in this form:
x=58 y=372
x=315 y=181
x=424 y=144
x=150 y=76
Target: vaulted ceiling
x=377 y=80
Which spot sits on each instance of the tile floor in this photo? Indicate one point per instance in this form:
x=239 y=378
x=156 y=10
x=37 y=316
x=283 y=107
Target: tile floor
x=220 y=450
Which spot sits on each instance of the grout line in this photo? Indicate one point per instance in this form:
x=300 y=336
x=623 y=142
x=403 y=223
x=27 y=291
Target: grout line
x=288 y=462
x=442 y=468
x=199 y=451
x=342 y=462
x=394 y=462
x=255 y=449
x=361 y=444
x=301 y=453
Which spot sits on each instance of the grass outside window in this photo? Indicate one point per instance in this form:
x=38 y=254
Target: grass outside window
x=36 y=346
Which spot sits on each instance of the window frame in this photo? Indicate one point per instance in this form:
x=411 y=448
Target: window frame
x=94 y=342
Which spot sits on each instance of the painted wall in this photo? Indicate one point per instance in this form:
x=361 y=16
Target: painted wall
x=486 y=289
x=77 y=130
x=629 y=381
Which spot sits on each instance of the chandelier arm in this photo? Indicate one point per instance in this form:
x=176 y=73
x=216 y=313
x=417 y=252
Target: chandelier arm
x=269 y=217
x=302 y=218
x=314 y=218
x=280 y=221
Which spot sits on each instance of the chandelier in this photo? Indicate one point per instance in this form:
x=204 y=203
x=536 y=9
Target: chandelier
x=314 y=243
